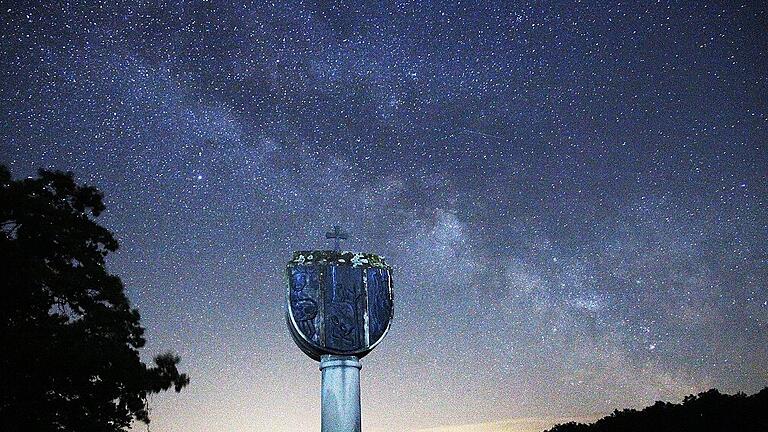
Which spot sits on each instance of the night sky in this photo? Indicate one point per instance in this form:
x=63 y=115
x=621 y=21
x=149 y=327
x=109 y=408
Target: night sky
x=572 y=195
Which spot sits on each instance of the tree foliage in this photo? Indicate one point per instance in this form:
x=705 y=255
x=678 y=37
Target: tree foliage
x=710 y=411
x=70 y=338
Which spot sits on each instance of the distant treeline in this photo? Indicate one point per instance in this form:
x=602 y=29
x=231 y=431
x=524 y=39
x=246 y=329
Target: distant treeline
x=708 y=411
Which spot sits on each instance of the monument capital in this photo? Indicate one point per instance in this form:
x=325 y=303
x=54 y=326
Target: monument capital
x=339 y=302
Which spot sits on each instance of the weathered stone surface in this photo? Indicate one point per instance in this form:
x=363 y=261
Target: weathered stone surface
x=338 y=302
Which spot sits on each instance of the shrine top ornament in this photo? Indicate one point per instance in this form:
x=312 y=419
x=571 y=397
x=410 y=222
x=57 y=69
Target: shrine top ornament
x=339 y=302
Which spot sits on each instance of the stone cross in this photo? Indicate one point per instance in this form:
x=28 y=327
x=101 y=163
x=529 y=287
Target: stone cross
x=337 y=234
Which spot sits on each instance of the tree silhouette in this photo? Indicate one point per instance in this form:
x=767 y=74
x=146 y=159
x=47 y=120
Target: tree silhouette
x=710 y=411
x=70 y=359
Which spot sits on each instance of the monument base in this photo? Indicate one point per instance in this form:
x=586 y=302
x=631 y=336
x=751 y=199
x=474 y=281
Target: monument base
x=340 y=393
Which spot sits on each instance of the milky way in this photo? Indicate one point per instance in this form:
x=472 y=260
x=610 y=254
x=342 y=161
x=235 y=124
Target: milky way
x=572 y=195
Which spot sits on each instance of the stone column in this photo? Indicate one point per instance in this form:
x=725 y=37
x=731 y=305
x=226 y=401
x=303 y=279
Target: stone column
x=340 y=393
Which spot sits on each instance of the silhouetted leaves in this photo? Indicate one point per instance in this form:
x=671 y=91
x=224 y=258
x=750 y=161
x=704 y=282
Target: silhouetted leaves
x=70 y=339
x=710 y=411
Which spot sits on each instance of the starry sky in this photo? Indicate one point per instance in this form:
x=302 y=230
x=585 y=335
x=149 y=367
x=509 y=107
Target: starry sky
x=572 y=194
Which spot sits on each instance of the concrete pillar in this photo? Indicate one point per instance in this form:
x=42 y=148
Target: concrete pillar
x=340 y=393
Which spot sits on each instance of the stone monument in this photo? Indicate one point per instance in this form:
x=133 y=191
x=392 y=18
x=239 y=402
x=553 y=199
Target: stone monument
x=339 y=307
